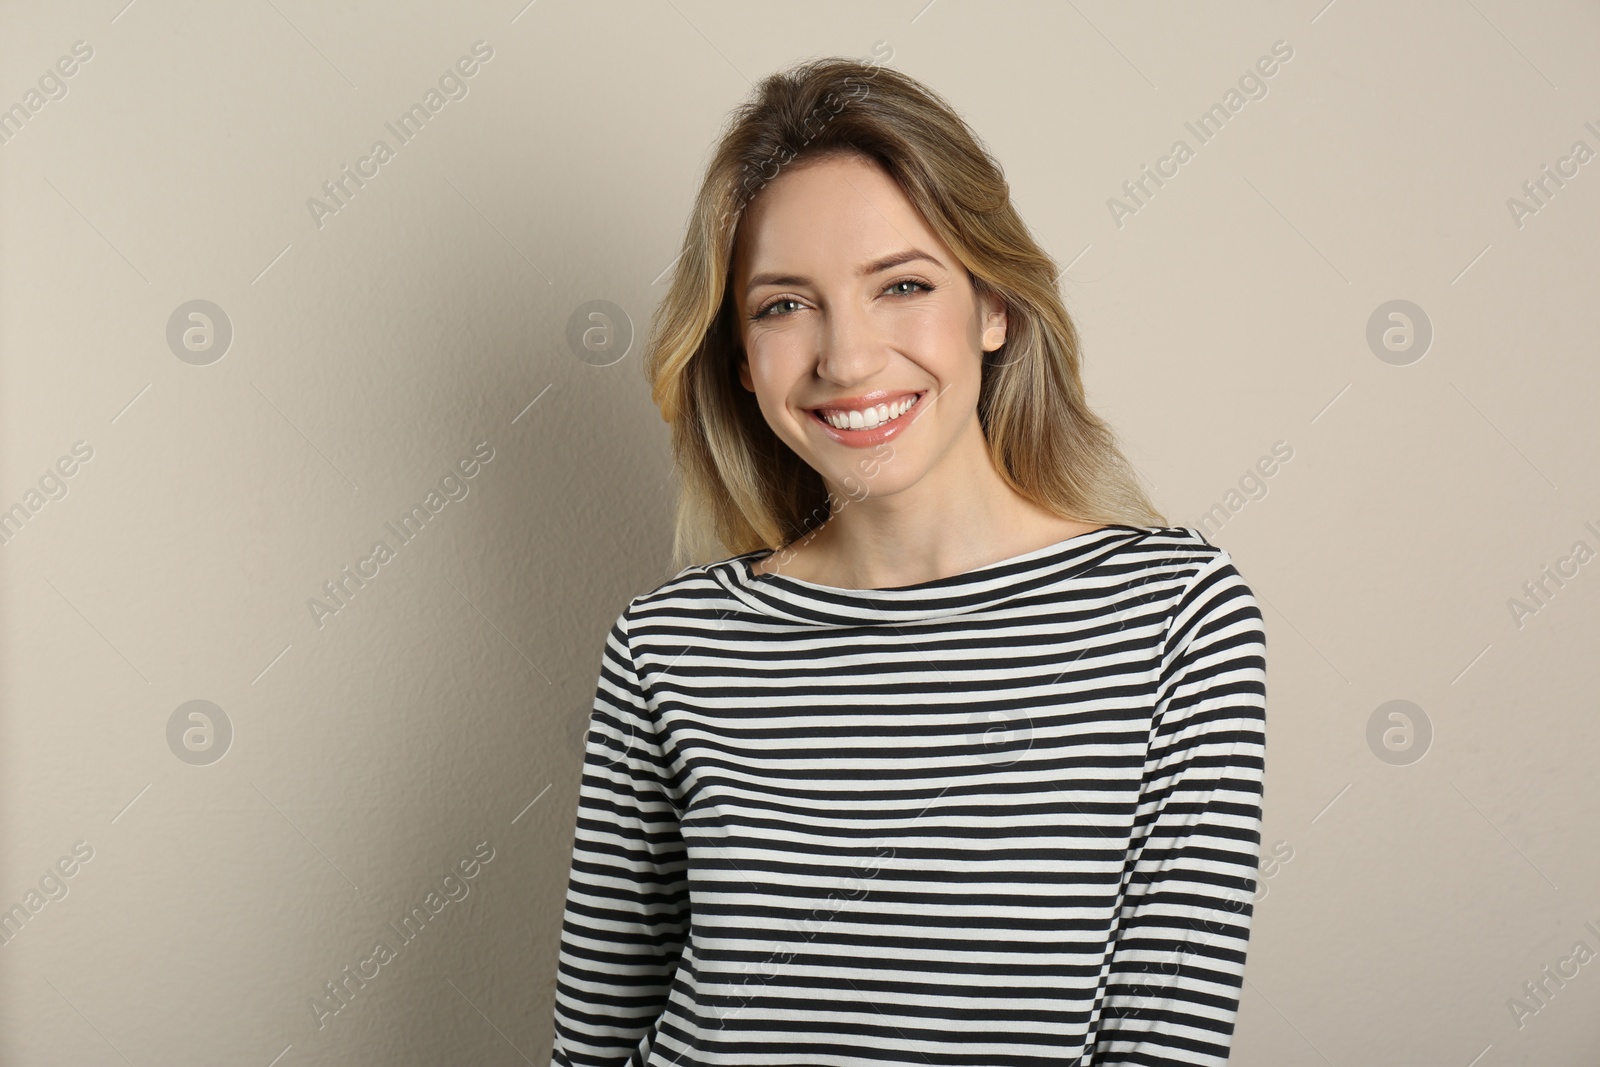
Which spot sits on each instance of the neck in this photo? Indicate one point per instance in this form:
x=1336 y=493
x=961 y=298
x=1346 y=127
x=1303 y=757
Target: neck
x=958 y=516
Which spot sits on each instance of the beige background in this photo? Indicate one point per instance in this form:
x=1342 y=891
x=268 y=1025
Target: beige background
x=374 y=752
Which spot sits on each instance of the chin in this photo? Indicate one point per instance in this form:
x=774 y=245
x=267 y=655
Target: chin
x=874 y=476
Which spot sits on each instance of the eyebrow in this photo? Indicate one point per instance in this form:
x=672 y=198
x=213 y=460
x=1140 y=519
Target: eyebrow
x=877 y=266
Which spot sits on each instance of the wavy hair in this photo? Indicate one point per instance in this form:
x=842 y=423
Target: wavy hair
x=740 y=487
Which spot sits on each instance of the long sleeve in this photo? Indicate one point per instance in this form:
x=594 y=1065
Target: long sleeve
x=627 y=905
x=1171 y=994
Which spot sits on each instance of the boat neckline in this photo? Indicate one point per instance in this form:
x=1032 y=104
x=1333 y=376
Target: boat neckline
x=745 y=572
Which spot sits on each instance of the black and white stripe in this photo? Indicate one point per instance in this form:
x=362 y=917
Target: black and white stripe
x=1009 y=817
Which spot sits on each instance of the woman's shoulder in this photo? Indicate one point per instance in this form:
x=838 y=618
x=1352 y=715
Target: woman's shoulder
x=1202 y=578
x=695 y=590
x=1183 y=544
x=1186 y=563
x=1175 y=534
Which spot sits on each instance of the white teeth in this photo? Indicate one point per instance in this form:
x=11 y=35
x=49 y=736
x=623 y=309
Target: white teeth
x=871 y=418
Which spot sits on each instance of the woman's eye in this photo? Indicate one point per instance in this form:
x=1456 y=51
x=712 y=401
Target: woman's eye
x=763 y=313
x=771 y=310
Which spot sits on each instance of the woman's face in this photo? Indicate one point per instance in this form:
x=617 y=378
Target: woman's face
x=849 y=302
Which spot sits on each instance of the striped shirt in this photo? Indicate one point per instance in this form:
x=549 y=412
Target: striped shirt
x=1007 y=817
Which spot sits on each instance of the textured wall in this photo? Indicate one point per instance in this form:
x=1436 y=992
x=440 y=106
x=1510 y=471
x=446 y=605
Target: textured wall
x=1393 y=479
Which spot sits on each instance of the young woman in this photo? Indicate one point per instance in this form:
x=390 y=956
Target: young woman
x=959 y=760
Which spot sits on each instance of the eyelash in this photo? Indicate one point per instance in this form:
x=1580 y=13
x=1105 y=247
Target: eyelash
x=769 y=305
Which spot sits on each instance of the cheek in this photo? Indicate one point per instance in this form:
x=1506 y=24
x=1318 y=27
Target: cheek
x=934 y=326
x=775 y=361
x=943 y=340
x=933 y=330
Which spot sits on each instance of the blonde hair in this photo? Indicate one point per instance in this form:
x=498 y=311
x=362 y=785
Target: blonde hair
x=740 y=486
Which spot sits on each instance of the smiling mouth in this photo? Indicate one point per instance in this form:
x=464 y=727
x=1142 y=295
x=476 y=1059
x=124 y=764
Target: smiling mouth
x=869 y=418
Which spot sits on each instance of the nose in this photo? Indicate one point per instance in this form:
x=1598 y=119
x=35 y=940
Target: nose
x=850 y=348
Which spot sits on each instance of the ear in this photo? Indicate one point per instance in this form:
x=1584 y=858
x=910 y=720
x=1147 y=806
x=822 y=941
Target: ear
x=994 y=322
x=744 y=373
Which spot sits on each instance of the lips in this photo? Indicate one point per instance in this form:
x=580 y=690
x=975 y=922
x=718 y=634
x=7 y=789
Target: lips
x=902 y=405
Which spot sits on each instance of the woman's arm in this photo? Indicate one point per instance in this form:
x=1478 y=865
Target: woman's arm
x=1171 y=992
x=627 y=907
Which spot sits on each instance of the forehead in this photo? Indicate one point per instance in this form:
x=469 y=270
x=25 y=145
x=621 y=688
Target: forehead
x=836 y=209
